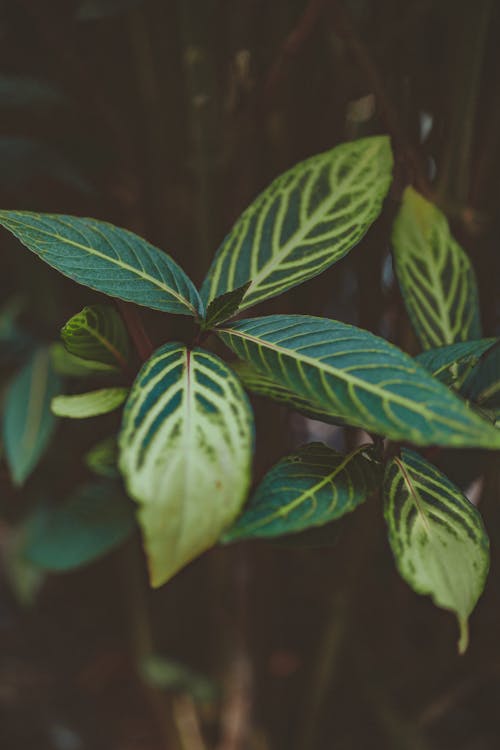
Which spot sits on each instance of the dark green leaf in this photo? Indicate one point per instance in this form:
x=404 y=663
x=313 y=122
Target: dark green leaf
x=451 y=364
x=67 y=364
x=224 y=307
x=28 y=422
x=359 y=377
x=106 y=258
x=483 y=383
x=94 y=520
x=311 y=487
x=98 y=333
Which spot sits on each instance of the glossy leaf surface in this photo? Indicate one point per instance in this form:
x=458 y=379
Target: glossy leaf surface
x=106 y=258
x=305 y=221
x=437 y=536
x=359 y=377
x=436 y=277
x=185 y=452
x=28 y=422
x=311 y=487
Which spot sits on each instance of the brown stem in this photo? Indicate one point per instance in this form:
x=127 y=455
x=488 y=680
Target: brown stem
x=136 y=329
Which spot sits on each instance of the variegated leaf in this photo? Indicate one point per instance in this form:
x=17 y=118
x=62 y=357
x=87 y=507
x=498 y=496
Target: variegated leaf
x=185 y=452
x=436 y=277
x=451 y=364
x=91 y=404
x=98 y=333
x=437 y=536
x=359 y=377
x=69 y=365
x=311 y=487
x=305 y=221
x=106 y=258
x=483 y=383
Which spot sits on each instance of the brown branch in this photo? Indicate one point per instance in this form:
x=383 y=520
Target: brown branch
x=136 y=329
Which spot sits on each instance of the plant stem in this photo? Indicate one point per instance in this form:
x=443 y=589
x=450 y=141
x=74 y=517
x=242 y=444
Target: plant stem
x=136 y=329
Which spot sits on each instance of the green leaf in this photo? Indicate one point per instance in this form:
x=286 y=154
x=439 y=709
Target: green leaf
x=451 y=364
x=224 y=307
x=102 y=458
x=483 y=383
x=359 y=377
x=437 y=536
x=67 y=364
x=108 y=259
x=276 y=390
x=91 y=404
x=28 y=422
x=305 y=221
x=436 y=277
x=98 y=333
x=93 y=521
x=185 y=452
x=311 y=487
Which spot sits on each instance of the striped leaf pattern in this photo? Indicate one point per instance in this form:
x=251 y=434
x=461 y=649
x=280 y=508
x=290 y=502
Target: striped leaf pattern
x=107 y=259
x=436 y=277
x=311 y=487
x=71 y=366
x=91 y=404
x=98 y=333
x=451 y=364
x=185 y=452
x=483 y=383
x=28 y=423
x=437 y=536
x=307 y=219
x=359 y=377
x=276 y=390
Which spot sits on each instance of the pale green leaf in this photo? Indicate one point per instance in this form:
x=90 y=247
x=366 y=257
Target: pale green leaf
x=451 y=364
x=106 y=258
x=91 y=522
x=91 y=404
x=311 y=487
x=437 y=536
x=185 y=452
x=436 y=277
x=102 y=458
x=359 y=377
x=98 y=333
x=305 y=221
x=67 y=364
x=28 y=422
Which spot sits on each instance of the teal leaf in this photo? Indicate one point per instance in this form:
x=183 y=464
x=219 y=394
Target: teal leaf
x=185 y=452
x=437 y=536
x=106 y=258
x=311 y=487
x=95 y=519
x=436 y=277
x=28 y=422
x=305 y=221
x=224 y=307
x=91 y=404
x=69 y=365
x=98 y=333
x=359 y=377
x=483 y=384
x=451 y=364
x=102 y=458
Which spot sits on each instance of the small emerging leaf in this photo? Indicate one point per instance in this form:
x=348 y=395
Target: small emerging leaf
x=94 y=520
x=98 y=333
x=436 y=277
x=437 y=536
x=28 y=422
x=107 y=259
x=305 y=221
x=311 y=487
x=224 y=307
x=91 y=404
x=185 y=452
x=67 y=364
x=102 y=458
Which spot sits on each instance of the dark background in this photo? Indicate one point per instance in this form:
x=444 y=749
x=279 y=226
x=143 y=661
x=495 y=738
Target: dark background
x=167 y=118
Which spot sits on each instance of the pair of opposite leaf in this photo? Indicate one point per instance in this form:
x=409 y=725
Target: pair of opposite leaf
x=186 y=441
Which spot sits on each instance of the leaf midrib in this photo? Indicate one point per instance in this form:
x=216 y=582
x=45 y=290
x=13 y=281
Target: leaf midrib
x=103 y=256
